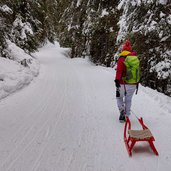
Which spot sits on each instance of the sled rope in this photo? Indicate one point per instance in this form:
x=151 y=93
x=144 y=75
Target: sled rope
x=134 y=114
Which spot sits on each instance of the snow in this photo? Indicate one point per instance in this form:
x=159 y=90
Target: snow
x=139 y=2
x=162 y=68
x=15 y=52
x=104 y=13
x=169 y=19
x=153 y=25
x=25 y=27
x=163 y=2
x=78 y=3
x=67 y=119
x=129 y=16
x=120 y=5
x=162 y=14
x=164 y=38
x=6 y=9
x=13 y=75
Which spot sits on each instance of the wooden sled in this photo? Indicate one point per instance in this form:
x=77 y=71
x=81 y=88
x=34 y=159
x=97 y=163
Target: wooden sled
x=137 y=135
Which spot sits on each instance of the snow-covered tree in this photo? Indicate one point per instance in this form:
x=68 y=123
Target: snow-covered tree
x=148 y=25
x=90 y=27
x=5 y=27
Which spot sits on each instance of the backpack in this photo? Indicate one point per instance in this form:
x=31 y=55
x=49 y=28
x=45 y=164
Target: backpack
x=132 y=64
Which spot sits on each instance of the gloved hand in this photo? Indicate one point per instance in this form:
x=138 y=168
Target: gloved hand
x=117 y=92
x=117 y=84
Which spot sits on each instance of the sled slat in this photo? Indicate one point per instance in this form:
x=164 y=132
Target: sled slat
x=140 y=134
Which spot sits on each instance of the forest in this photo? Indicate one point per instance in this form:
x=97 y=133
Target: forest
x=96 y=29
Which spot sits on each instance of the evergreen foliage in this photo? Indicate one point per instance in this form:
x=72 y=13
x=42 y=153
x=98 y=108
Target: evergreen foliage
x=90 y=28
x=27 y=23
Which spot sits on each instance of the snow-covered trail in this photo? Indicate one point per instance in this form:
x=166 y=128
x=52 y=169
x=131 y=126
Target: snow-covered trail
x=67 y=120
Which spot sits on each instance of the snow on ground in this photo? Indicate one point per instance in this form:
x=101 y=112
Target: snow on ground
x=13 y=75
x=67 y=120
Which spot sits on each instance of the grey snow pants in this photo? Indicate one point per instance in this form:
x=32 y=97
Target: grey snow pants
x=124 y=101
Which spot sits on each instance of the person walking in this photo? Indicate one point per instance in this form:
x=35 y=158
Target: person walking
x=126 y=79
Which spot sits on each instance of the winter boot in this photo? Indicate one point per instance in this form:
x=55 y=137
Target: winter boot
x=122 y=116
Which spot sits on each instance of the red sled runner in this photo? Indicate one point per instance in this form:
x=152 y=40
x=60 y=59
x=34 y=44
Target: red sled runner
x=137 y=135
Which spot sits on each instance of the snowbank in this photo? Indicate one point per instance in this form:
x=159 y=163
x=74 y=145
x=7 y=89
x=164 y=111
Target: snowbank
x=16 y=72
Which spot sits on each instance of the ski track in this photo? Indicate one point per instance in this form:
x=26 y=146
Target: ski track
x=67 y=120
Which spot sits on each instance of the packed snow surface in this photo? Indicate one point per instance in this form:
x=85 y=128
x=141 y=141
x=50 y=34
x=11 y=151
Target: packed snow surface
x=67 y=120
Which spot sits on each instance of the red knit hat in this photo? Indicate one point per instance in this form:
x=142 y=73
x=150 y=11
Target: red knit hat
x=127 y=46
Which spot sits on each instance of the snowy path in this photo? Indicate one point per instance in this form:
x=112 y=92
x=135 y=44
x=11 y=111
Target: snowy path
x=67 y=120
